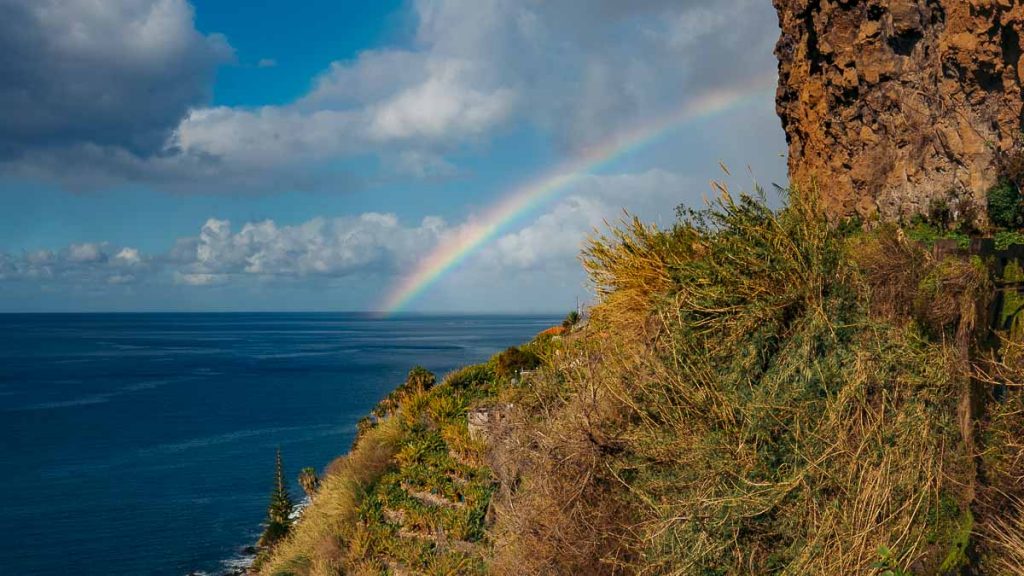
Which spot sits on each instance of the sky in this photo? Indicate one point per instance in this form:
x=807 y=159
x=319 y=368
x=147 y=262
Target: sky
x=221 y=155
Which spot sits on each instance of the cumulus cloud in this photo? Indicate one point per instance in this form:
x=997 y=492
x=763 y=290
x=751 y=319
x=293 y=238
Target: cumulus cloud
x=105 y=74
x=478 y=64
x=90 y=263
x=371 y=243
x=374 y=249
x=576 y=70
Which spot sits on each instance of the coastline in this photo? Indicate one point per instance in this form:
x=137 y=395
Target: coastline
x=241 y=563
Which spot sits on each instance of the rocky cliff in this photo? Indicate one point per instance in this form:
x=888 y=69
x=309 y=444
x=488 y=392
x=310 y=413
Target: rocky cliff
x=894 y=105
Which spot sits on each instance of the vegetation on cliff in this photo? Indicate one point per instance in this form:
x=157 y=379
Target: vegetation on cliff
x=413 y=493
x=756 y=391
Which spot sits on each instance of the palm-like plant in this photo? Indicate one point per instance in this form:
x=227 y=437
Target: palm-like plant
x=309 y=481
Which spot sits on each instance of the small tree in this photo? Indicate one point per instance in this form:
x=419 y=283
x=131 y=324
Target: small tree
x=309 y=481
x=280 y=509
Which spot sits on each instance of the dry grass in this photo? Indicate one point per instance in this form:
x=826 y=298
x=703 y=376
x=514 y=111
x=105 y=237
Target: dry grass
x=1004 y=535
x=319 y=543
x=630 y=267
x=757 y=393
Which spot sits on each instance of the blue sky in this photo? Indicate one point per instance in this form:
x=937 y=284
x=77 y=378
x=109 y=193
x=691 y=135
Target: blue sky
x=222 y=155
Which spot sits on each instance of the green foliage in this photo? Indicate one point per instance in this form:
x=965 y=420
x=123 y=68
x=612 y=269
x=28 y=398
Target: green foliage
x=513 y=361
x=363 y=425
x=412 y=495
x=928 y=234
x=571 y=320
x=1013 y=301
x=280 y=508
x=956 y=559
x=1006 y=238
x=470 y=377
x=1004 y=205
x=418 y=381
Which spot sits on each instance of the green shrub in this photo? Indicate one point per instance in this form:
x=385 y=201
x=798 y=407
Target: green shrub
x=514 y=360
x=1004 y=205
x=470 y=377
x=571 y=320
x=928 y=234
x=1006 y=238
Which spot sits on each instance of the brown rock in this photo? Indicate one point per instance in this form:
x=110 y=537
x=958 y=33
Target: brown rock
x=888 y=105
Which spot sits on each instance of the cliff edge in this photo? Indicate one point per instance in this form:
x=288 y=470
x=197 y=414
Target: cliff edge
x=892 y=105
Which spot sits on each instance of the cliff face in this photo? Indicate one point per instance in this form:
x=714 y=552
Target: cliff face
x=890 y=105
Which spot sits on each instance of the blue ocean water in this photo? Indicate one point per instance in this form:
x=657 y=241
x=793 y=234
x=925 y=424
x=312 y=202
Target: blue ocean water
x=144 y=443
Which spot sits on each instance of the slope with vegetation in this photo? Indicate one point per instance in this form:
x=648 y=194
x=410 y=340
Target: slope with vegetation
x=756 y=391
x=413 y=494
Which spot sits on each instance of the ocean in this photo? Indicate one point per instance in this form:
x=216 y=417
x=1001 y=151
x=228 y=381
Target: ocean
x=138 y=444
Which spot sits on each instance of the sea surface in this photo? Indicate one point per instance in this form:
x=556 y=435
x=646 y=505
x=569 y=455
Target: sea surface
x=143 y=444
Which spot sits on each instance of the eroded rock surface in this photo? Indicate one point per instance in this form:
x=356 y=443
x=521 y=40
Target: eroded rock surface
x=890 y=105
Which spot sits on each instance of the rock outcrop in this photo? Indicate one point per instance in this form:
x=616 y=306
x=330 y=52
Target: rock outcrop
x=895 y=106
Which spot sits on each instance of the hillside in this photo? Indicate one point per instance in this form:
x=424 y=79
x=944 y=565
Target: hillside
x=830 y=387
x=755 y=392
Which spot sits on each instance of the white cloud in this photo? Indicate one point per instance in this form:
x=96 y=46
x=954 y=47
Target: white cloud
x=87 y=263
x=371 y=243
x=422 y=165
x=576 y=70
x=532 y=266
x=85 y=253
x=446 y=104
x=128 y=256
x=200 y=279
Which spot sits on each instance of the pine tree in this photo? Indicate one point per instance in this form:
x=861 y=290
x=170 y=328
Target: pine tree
x=280 y=509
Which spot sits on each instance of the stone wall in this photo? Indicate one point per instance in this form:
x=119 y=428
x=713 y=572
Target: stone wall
x=888 y=105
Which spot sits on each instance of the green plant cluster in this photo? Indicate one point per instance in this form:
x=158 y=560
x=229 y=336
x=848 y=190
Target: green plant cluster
x=1004 y=205
x=513 y=361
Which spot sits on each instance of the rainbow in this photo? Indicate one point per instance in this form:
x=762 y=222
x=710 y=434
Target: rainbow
x=524 y=198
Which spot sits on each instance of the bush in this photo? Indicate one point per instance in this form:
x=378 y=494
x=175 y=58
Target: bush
x=513 y=361
x=470 y=377
x=1004 y=205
